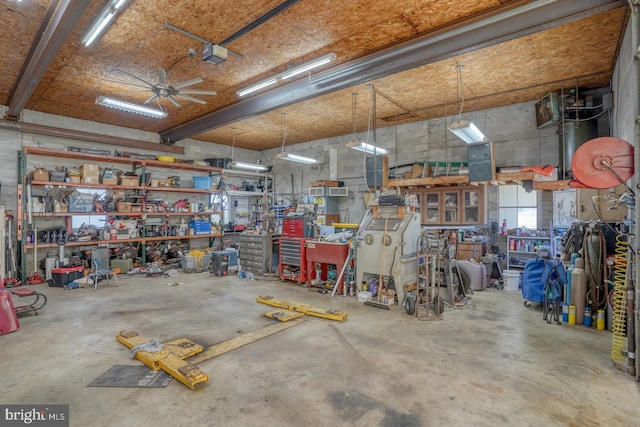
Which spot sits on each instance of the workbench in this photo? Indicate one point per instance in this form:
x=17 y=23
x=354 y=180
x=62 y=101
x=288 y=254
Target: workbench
x=325 y=254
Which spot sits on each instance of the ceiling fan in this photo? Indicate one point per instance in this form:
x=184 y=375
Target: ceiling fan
x=162 y=89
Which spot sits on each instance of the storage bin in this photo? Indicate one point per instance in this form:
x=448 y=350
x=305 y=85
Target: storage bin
x=123 y=264
x=202 y=182
x=60 y=277
x=190 y=262
x=200 y=226
x=511 y=280
x=364 y=296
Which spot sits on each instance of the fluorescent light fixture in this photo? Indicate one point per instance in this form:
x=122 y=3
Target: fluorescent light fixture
x=260 y=85
x=248 y=166
x=467 y=131
x=296 y=158
x=287 y=74
x=102 y=21
x=307 y=66
x=367 y=148
x=130 y=107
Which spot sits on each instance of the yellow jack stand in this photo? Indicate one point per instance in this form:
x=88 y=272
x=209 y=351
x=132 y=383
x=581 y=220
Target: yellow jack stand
x=170 y=358
x=330 y=314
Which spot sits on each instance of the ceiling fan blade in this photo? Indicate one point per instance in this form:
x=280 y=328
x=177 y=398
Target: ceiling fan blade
x=151 y=98
x=198 y=92
x=162 y=77
x=172 y=99
x=191 y=98
x=135 y=77
x=187 y=83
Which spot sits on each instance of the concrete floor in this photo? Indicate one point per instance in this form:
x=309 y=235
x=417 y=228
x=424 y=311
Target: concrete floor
x=492 y=363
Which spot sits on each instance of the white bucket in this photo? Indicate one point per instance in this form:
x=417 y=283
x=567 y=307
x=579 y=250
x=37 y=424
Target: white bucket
x=511 y=280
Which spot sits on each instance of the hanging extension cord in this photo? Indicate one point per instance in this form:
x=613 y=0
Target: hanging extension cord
x=618 y=327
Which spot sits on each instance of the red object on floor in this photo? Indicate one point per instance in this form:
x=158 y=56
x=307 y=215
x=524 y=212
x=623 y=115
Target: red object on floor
x=8 y=318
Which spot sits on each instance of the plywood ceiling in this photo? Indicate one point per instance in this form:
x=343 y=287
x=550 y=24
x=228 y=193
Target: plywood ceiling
x=580 y=52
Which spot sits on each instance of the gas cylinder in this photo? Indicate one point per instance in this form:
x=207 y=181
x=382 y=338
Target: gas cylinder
x=503 y=231
x=579 y=289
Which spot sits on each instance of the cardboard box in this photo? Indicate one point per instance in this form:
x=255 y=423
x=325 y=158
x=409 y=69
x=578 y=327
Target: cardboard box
x=118 y=195
x=40 y=174
x=90 y=179
x=129 y=180
x=416 y=171
x=136 y=207
x=90 y=174
x=164 y=182
x=74 y=178
x=123 y=206
x=154 y=182
x=110 y=180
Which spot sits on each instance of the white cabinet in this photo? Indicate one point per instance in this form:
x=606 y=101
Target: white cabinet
x=586 y=204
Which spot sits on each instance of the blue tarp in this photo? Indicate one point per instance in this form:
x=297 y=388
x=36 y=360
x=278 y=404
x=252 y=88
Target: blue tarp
x=535 y=276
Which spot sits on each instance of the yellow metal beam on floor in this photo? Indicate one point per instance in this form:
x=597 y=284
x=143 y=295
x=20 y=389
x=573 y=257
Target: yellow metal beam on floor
x=283 y=315
x=169 y=359
x=331 y=314
x=248 y=338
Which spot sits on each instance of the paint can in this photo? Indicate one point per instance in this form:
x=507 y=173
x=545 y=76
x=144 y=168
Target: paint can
x=565 y=313
x=587 y=317
x=600 y=320
x=572 y=314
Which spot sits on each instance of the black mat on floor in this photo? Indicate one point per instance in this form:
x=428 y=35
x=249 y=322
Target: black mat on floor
x=132 y=376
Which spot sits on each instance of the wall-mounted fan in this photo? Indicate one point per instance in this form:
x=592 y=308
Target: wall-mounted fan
x=162 y=89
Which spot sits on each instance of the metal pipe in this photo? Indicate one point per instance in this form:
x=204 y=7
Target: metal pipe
x=87 y=136
x=635 y=27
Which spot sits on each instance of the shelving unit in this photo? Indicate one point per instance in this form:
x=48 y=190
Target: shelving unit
x=142 y=191
x=524 y=249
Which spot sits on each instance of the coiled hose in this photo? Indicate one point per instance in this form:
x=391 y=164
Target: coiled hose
x=619 y=326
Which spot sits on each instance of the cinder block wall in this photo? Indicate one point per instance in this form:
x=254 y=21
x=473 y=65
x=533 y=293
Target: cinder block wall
x=512 y=129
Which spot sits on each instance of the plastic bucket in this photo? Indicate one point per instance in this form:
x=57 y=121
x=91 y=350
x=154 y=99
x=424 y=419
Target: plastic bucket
x=511 y=280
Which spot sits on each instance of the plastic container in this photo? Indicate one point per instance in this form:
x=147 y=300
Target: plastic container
x=587 y=317
x=572 y=314
x=511 y=280
x=364 y=296
x=565 y=313
x=202 y=182
x=600 y=320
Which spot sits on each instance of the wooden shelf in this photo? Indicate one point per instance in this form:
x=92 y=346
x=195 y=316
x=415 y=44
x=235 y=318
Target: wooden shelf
x=120 y=160
x=130 y=214
x=146 y=188
x=111 y=242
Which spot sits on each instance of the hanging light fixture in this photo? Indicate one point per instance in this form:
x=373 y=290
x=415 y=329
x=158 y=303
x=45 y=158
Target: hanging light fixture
x=356 y=143
x=103 y=20
x=242 y=165
x=289 y=156
x=462 y=127
x=130 y=107
x=292 y=72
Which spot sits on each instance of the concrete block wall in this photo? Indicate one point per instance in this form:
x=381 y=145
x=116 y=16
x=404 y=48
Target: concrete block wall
x=513 y=130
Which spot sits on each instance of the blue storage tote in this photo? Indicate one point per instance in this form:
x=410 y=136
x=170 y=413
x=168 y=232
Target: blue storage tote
x=200 y=226
x=202 y=182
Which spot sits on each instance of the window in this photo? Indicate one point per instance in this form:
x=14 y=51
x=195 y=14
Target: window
x=80 y=220
x=518 y=207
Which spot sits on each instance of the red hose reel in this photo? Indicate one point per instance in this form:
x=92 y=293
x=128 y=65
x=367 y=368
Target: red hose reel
x=603 y=162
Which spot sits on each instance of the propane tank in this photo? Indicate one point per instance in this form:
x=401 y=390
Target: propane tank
x=579 y=289
x=503 y=230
